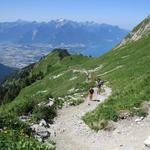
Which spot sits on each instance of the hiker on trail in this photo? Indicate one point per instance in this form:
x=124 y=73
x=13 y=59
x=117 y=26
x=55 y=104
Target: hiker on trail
x=99 y=84
x=91 y=92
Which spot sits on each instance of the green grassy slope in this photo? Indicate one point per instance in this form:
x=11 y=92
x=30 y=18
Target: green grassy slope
x=56 y=81
x=127 y=70
x=52 y=76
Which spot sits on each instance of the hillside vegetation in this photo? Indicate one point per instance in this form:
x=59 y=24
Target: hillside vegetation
x=127 y=70
x=52 y=77
x=5 y=71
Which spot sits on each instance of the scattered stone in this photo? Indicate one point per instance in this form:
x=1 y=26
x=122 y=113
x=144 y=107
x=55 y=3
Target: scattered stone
x=147 y=142
x=55 y=134
x=41 y=132
x=124 y=114
x=50 y=103
x=42 y=104
x=24 y=118
x=139 y=119
x=47 y=104
x=43 y=123
x=118 y=131
x=63 y=130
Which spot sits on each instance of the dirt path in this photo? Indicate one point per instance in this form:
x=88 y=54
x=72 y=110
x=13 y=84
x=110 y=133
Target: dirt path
x=71 y=133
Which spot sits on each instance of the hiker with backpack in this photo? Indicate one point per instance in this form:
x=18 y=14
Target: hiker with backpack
x=91 y=92
x=99 y=84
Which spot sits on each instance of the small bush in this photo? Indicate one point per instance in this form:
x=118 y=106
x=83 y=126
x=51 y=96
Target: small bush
x=46 y=113
x=10 y=121
x=141 y=112
x=99 y=125
x=12 y=140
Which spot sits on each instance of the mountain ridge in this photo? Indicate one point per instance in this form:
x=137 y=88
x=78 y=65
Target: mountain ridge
x=5 y=71
x=141 y=30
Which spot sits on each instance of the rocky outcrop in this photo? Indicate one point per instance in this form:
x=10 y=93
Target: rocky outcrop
x=40 y=131
x=43 y=123
x=47 y=104
x=143 y=29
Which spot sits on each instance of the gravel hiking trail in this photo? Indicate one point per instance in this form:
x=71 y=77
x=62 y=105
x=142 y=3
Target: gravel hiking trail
x=71 y=133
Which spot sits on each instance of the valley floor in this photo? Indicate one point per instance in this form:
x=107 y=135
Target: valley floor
x=71 y=133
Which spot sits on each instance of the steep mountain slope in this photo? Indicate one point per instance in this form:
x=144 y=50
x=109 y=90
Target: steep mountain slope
x=5 y=71
x=140 y=31
x=127 y=69
x=56 y=75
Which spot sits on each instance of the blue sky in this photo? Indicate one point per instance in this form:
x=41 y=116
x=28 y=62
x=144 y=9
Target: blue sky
x=124 y=13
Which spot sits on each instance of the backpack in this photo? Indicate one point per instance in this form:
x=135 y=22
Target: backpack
x=91 y=91
x=100 y=83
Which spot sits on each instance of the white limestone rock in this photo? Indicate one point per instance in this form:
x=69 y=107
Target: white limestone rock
x=147 y=142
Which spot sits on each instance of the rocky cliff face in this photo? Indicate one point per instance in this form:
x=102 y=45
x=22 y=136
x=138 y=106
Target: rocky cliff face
x=142 y=30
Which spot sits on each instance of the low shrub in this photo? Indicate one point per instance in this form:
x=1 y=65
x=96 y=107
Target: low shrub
x=46 y=113
x=11 y=140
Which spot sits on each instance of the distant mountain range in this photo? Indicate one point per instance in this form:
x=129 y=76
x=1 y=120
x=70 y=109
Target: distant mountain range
x=59 y=32
x=22 y=42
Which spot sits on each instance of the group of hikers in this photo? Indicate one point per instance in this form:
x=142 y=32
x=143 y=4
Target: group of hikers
x=99 y=84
